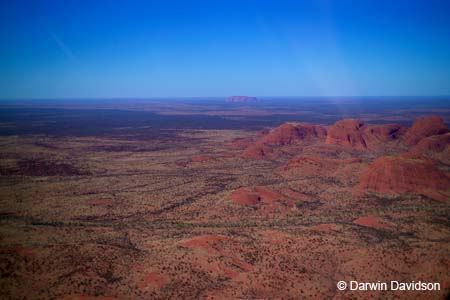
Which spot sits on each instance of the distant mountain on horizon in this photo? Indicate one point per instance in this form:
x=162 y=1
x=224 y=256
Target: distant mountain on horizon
x=242 y=99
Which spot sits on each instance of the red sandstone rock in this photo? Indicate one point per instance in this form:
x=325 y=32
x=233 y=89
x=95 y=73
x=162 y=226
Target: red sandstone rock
x=355 y=134
x=425 y=127
x=435 y=143
x=374 y=134
x=347 y=133
x=285 y=134
x=289 y=133
x=406 y=173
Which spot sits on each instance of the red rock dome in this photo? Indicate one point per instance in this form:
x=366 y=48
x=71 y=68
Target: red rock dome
x=434 y=143
x=355 y=134
x=425 y=127
x=405 y=173
x=347 y=133
x=289 y=133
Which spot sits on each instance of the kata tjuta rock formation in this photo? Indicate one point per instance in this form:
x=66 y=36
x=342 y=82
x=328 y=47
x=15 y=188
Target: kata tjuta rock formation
x=435 y=146
x=434 y=143
x=414 y=171
x=347 y=133
x=290 y=133
x=406 y=173
x=355 y=134
x=424 y=127
x=285 y=134
x=241 y=99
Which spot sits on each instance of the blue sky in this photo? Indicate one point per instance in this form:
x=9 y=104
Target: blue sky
x=73 y=49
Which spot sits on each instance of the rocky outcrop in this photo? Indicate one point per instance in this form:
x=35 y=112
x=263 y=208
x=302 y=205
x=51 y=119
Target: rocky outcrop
x=434 y=143
x=407 y=173
x=286 y=134
x=383 y=133
x=355 y=134
x=425 y=127
x=291 y=133
x=347 y=133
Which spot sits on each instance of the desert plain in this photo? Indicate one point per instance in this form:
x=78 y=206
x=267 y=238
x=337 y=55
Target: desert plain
x=149 y=200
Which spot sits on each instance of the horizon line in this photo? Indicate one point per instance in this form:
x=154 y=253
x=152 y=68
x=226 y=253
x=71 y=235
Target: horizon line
x=217 y=97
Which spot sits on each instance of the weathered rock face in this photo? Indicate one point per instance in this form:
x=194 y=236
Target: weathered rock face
x=406 y=173
x=347 y=133
x=425 y=127
x=385 y=132
x=241 y=99
x=286 y=134
x=289 y=133
x=355 y=134
x=434 y=143
x=376 y=136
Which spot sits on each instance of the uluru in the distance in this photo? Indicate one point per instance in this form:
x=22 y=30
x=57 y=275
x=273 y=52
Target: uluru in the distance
x=242 y=99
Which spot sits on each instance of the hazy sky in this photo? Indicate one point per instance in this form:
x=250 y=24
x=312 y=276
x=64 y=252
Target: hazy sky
x=218 y=48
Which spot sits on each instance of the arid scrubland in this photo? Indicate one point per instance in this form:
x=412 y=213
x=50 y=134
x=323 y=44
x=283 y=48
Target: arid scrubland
x=195 y=214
